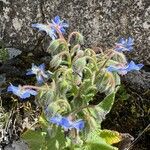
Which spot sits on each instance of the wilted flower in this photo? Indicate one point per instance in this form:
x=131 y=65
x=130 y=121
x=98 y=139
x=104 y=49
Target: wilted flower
x=21 y=92
x=124 y=69
x=59 y=24
x=39 y=71
x=66 y=123
x=124 y=44
x=47 y=28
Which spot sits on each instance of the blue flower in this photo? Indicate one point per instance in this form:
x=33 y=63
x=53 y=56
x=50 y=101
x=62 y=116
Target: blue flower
x=124 y=44
x=21 y=92
x=50 y=28
x=60 y=24
x=39 y=71
x=47 y=28
x=66 y=123
x=124 y=69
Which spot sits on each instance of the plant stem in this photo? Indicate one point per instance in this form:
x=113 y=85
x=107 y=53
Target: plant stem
x=33 y=87
x=131 y=145
x=80 y=109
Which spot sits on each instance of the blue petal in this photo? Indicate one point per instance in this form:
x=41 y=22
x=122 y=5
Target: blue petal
x=133 y=66
x=112 y=68
x=42 y=67
x=122 y=41
x=41 y=27
x=32 y=92
x=30 y=72
x=79 y=125
x=125 y=44
x=52 y=34
x=45 y=28
x=24 y=95
x=57 y=19
x=65 y=25
x=13 y=89
x=39 y=78
x=130 y=41
x=62 y=30
x=56 y=120
x=66 y=123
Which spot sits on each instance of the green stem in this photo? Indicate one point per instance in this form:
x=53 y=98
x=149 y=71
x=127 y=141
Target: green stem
x=80 y=109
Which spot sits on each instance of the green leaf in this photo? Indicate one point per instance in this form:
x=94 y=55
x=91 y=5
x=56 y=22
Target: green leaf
x=80 y=38
x=95 y=142
x=87 y=90
x=107 y=103
x=34 y=139
x=99 y=112
x=56 y=61
x=42 y=120
x=3 y=54
x=58 y=107
x=111 y=137
x=79 y=64
x=56 y=142
x=57 y=46
x=45 y=97
x=106 y=82
x=53 y=45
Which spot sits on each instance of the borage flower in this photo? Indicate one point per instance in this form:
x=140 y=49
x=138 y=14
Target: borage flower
x=21 y=92
x=39 y=71
x=122 y=70
x=66 y=123
x=59 y=24
x=124 y=44
x=47 y=28
x=50 y=28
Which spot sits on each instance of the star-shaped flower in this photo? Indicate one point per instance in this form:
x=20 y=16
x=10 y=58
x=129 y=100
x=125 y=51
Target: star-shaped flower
x=66 y=123
x=39 y=71
x=50 y=28
x=60 y=24
x=124 y=69
x=47 y=28
x=124 y=44
x=21 y=92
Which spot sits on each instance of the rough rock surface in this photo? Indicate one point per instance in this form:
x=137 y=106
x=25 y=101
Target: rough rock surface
x=101 y=22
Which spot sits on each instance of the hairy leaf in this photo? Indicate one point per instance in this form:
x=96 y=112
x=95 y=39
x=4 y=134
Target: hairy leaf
x=111 y=137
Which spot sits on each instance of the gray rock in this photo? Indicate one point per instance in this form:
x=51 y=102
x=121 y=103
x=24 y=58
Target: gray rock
x=101 y=22
x=139 y=81
x=2 y=81
x=13 y=52
x=17 y=145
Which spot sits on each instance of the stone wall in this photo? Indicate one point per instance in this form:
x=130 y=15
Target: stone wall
x=102 y=22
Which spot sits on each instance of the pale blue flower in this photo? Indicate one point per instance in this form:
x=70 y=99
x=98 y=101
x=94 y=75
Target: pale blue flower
x=66 y=123
x=47 y=28
x=124 y=69
x=21 y=92
x=124 y=44
x=39 y=71
x=60 y=24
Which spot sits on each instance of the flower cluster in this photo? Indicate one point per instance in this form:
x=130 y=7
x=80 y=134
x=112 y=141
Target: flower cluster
x=70 y=77
x=122 y=69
